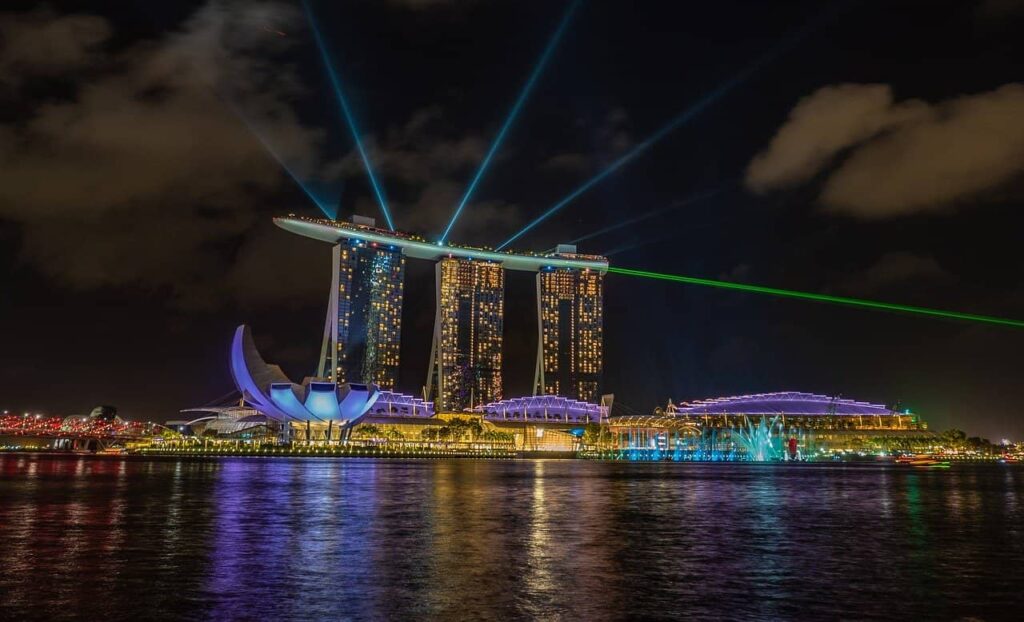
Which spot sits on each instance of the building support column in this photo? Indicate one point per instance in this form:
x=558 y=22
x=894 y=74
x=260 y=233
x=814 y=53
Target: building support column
x=434 y=367
x=331 y=323
x=539 y=386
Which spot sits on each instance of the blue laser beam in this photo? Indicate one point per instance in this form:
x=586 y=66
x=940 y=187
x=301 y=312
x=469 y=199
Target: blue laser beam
x=681 y=119
x=647 y=215
x=378 y=190
x=328 y=207
x=527 y=87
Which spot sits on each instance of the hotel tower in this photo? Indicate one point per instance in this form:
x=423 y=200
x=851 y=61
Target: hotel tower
x=571 y=327
x=364 y=321
x=465 y=360
x=364 y=327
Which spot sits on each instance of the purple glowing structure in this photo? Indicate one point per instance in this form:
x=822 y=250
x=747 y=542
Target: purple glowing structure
x=269 y=391
x=789 y=403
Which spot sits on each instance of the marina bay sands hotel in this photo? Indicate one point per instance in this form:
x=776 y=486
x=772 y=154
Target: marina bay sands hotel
x=363 y=330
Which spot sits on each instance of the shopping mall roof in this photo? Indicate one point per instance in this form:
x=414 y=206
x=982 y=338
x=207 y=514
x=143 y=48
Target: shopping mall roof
x=782 y=403
x=414 y=246
x=653 y=421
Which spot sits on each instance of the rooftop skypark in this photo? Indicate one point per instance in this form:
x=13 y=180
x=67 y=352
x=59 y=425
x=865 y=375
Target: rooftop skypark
x=414 y=246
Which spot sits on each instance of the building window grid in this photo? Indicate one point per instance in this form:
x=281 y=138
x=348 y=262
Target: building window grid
x=474 y=375
x=380 y=272
x=583 y=289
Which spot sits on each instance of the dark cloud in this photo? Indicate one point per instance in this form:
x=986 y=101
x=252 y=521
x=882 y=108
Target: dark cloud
x=1000 y=9
x=419 y=5
x=276 y=268
x=606 y=139
x=740 y=272
x=150 y=170
x=162 y=155
x=823 y=125
x=896 y=158
x=427 y=173
x=568 y=162
x=42 y=43
x=897 y=269
x=967 y=146
x=113 y=248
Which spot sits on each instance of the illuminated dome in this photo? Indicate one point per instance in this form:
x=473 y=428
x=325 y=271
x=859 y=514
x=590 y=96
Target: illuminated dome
x=270 y=392
x=543 y=408
x=781 y=403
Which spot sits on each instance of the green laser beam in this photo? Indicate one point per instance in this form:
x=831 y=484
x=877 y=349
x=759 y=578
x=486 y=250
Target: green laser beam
x=839 y=300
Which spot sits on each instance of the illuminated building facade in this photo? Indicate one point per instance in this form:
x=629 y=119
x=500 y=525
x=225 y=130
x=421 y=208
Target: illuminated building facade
x=465 y=368
x=788 y=425
x=571 y=325
x=763 y=427
x=466 y=353
x=366 y=327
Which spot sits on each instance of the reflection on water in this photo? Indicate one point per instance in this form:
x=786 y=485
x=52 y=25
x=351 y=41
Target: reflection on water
x=274 y=539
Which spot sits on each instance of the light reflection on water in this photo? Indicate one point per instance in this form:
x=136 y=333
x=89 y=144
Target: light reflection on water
x=314 y=539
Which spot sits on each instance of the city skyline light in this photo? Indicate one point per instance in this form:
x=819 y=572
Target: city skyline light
x=511 y=310
x=180 y=232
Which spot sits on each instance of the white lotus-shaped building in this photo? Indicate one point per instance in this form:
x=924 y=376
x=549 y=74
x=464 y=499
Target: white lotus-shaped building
x=268 y=390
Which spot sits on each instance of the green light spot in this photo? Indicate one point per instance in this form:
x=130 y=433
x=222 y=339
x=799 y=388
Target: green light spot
x=839 y=300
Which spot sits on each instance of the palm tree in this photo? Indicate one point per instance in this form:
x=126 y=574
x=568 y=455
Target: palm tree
x=475 y=429
x=367 y=430
x=954 y=437
x=496 y=436
x=393 y=434
x=594 y=434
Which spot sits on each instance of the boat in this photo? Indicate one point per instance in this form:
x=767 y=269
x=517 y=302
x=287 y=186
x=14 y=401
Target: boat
x=112 y=451
x=923 y=460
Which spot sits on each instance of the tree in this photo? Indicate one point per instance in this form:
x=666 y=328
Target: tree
x=595 y=434
x=954 y=436
x=475 y=429
x=458 y=428
x=495 y=436
x=367 y=430
x=393 y=434
x=979 y=444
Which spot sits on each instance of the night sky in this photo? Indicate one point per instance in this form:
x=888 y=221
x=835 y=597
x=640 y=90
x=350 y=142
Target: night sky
x=877 y=151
